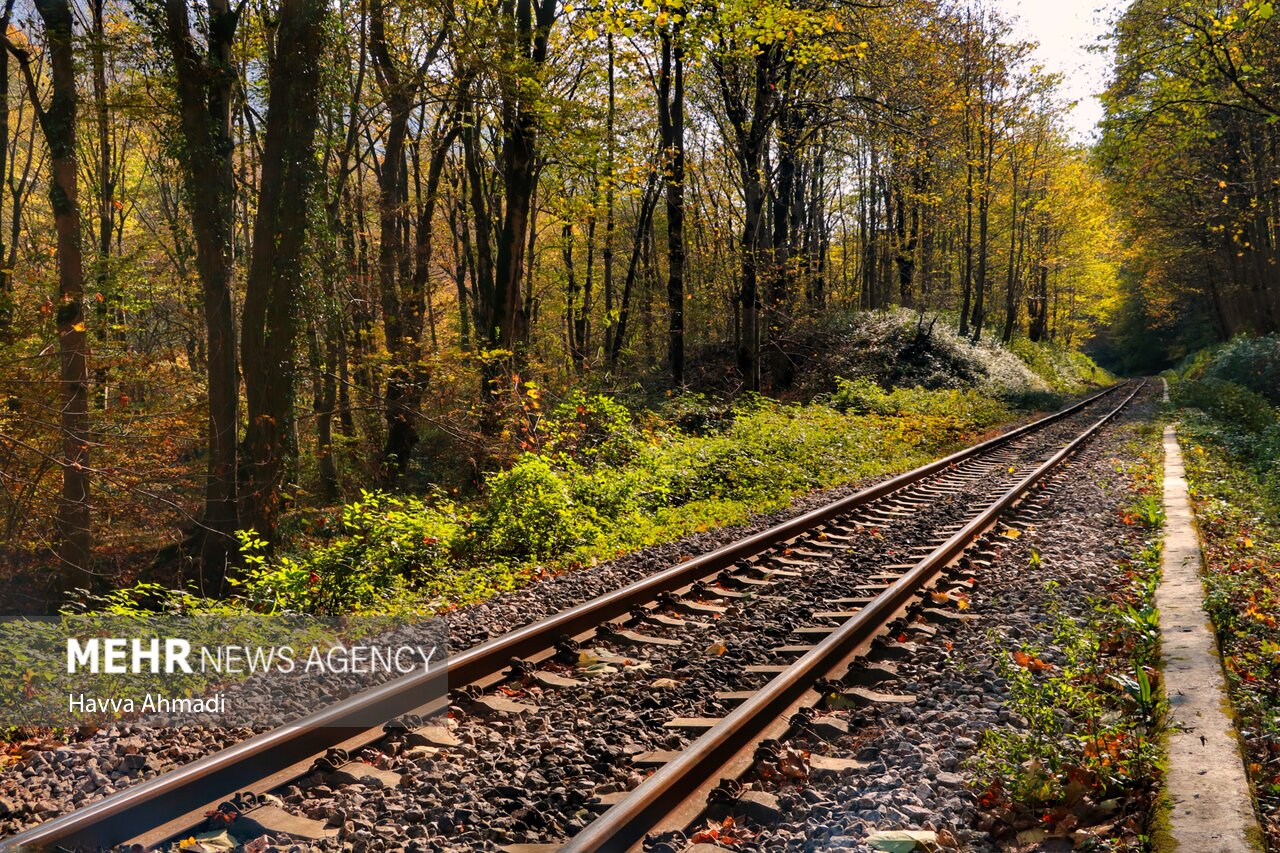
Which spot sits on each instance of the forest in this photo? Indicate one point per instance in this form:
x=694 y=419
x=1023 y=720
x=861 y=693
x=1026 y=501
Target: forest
x=264 y=259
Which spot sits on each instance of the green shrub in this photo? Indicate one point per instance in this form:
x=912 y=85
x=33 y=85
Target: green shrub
x=695 y=414
x=1252 y=363
x=385 y=543
x=1235 y=405
x=600 y=486
x=530 y=513
x=862 y=396
x=1066 y=370
x=590 y=429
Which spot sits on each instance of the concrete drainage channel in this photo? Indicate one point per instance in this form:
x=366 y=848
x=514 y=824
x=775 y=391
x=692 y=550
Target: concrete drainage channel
x=1210 y=808
x=173 y=804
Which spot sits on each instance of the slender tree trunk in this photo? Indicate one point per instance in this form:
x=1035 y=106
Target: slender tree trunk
x=401 y=432
x=462 y=257
x=967 y=276
x=570 y=296
x=647 y=203
x=6 y=274
x=109 y=307
x=58 y=122
x=606 y=255
x=671 y=118
x=1010 y=293
x=582 y=332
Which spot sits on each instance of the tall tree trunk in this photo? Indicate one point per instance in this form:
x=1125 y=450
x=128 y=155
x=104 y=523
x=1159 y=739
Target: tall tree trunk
x=58 y=124
x=967 y=276
x=519 y=151
x=582 y=330
x=205 y=88
x=781 y=249
x=6 y=273
x=402 y=294
x=987 y=147
x=671 y=119
x=275 y=266
x=570 y=295
x=108 y=299
x=462 y=258
x=606 y=255
x=751 y=123
x=392 y=193
x=647 y=203
x=1010 y=292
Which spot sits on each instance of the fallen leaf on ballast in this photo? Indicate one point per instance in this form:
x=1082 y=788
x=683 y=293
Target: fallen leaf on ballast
x=903 y=840
x=717 y=648
x=1030 y=662
x=940 y=597
x=723 y=833
x=664 y=683
x=1013 y=533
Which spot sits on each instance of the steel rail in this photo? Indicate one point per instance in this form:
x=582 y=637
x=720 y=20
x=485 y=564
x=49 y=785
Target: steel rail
x=627 y=822
x=191 y=788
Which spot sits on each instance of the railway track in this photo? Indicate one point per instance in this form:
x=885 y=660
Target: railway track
x=977 y=485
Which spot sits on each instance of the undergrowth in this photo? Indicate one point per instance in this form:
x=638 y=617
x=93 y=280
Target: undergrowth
x=1231 y=441
x=1230 y=434
x=597 y=480
x=906 y=349
x=598 y=486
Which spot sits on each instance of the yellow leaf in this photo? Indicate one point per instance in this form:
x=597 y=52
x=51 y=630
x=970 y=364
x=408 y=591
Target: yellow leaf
x=1013 y=533
x=78 y=327
x=1248 y=543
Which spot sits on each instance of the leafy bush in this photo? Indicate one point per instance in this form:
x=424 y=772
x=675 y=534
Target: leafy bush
x=696 y=414
x=862 y=396
x=530 y=513
x=385 y=542
x=901 y=348
x=1235 y=405
x=590 y=430
x=1065 y=370
x=1253 y=363
x=599 y=485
